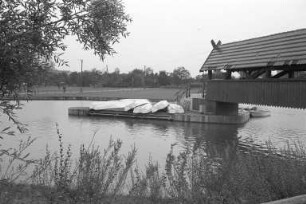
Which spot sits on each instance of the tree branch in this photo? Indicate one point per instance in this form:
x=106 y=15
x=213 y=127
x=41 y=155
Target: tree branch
x=74 y=16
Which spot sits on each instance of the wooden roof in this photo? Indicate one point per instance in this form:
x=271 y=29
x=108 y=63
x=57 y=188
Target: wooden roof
x=273 y=51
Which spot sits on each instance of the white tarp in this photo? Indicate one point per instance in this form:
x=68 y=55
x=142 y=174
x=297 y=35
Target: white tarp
x=174 y=108
x=146 y=108
x=159 y=106
x=135 y=103
x=118 y=105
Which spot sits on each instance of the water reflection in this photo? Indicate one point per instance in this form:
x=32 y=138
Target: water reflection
x=152 y=138
x=214 y=140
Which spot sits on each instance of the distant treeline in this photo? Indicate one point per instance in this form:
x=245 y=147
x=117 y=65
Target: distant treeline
x=145 y=77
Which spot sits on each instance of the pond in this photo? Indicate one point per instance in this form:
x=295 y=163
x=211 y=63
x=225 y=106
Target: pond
x=152 y=138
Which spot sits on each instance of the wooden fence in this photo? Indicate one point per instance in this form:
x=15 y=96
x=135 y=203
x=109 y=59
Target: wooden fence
x=289 y=93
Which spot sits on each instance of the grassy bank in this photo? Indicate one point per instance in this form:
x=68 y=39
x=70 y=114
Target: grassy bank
x=91 y=93
x=106 y=176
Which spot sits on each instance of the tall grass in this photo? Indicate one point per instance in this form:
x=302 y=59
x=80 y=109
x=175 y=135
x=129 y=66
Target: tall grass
x=106 y=176
x=96 y=175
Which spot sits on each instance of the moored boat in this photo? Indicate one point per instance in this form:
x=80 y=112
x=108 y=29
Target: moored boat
x=258 y=113
x=137 y=106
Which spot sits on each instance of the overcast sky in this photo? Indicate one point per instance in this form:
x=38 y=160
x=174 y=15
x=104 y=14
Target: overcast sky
x=166 y=34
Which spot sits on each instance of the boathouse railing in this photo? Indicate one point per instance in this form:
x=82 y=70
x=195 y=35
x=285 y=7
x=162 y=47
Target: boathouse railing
x=289 y=93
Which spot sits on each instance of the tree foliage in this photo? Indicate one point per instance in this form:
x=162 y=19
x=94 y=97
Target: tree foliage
x=180 y=75
x=164 y=78
x=145 y=77
x=32 y=33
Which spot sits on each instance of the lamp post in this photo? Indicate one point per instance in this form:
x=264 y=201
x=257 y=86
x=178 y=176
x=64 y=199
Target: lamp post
x=81 y=89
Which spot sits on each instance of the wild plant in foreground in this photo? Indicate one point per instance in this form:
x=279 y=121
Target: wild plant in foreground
x=102 y=175
x=96 y=175
x=14 y=164
x=187 y=178
x=250 y=176
x=276 y=174
x=148 y=185
x=191 y=177
x=14 y=161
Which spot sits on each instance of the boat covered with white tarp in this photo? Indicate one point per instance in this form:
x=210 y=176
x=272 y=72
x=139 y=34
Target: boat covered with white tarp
x=143 y=106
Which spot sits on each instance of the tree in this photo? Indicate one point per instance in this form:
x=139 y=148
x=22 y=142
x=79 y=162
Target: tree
x=149 y=77
x=137 y=78
x=74 y=79
x=117 y=71
x=32 y=30
x=181 y=75
x=163 y=78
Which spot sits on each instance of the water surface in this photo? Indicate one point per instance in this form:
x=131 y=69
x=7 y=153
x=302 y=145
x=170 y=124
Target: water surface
x=152 y=138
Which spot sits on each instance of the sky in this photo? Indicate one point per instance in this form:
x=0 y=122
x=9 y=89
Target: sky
x=166 y=34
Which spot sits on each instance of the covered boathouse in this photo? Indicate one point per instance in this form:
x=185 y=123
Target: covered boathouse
x=271 y=68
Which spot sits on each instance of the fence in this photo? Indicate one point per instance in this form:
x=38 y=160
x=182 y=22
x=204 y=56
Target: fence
x=273 y=92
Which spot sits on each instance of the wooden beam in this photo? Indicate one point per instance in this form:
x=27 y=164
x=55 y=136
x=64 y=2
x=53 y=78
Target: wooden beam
x=257 y=73
x=280 y=74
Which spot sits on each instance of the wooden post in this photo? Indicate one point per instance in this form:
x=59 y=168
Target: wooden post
x=81 y=89
x=209 y=74
x=203 y=86
x=228 y=74
x=268 y=74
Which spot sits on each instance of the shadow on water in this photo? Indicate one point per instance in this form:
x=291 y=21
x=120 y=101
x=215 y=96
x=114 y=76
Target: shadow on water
x=214 y=139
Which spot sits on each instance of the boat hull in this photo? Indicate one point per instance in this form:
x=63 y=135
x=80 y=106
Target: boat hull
x=260 y=113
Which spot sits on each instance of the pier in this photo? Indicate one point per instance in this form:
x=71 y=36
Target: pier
x=192 y=117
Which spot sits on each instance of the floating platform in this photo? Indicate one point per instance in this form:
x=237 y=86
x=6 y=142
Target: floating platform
x=194 y=117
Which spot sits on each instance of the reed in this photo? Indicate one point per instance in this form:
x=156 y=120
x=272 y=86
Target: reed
x=96 y=175
x=248 y=176
x=106 y=176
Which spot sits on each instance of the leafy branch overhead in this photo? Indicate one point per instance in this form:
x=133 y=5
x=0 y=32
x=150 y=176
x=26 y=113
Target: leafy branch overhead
x=32 y=30
x=44 y=24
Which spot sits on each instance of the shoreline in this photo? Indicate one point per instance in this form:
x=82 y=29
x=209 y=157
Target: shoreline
x=101 y=94
x=78 y=98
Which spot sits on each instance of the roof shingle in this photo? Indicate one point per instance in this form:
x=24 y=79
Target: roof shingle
x=276 y=50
